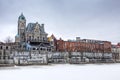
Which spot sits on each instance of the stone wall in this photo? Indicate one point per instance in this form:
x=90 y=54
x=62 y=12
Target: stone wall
x=23 y=57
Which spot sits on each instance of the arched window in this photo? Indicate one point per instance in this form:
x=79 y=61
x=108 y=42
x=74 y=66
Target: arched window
x=0 y=47
x=33 y=48
x=6 y=47
x=40 y=48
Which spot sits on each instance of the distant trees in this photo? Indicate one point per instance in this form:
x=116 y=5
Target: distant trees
x=8 y=40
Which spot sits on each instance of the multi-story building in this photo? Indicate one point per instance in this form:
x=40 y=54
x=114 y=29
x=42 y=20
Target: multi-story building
x=31 y=41
x=32 y=37
x=6 y=52
x=116 y=51
x=84 y=45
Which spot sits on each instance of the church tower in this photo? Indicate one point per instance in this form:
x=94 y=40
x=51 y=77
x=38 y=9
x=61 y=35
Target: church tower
x=21 y=27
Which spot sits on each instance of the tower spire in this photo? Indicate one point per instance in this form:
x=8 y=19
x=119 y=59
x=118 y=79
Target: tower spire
x=21 y=13
x=22 y=17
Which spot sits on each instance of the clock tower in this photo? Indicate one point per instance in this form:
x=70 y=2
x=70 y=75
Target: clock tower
x=21 y=27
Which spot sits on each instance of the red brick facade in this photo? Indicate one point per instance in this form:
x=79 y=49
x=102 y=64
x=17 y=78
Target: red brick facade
x=82 y=46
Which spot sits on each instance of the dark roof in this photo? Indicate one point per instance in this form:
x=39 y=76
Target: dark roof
x=21 y=17
x=41 y=44
x=1 y=43
x=30 y=27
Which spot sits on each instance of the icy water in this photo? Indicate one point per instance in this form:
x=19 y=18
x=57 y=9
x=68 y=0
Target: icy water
x=62 y=72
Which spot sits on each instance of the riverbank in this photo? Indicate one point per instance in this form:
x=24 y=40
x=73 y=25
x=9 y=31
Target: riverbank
x=7 y=65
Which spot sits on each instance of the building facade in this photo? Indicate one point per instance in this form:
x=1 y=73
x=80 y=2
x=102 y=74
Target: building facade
x=116 y=51
x=83 y=45
x=32 y=36
x=6 y=53
x=32 y=46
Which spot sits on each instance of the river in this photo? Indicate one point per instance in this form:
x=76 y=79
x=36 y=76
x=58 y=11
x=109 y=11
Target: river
x=62 y=72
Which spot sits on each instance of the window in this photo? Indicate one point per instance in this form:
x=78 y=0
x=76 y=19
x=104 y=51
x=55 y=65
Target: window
x=49 y=49
x=33 y=48
x=29 y=37
x=40 y=48
x=1 y=47
x=37 y=38
x=6 y=47
x=3 y=57
x=43 y=39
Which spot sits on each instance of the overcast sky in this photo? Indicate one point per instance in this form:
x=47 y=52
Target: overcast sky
x=68 y=19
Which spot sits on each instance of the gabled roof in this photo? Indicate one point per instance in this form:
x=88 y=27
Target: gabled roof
x=31 y=26
x=53 y=36
x=42 y=45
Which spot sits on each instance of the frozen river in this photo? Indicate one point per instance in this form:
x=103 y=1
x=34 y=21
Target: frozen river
x=62 y=72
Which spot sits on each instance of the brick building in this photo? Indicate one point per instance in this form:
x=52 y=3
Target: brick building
x=83 y=45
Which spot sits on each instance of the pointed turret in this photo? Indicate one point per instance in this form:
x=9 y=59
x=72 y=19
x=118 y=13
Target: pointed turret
x=21 y=17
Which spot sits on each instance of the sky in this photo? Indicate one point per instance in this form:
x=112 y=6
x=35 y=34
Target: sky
x=68 y=19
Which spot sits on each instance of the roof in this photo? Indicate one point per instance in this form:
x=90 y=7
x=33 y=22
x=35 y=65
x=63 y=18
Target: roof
x=11 y=43
x=53 y=36
x=1 y=43
x=21 y=17
x=31 y=26
x=39 y=45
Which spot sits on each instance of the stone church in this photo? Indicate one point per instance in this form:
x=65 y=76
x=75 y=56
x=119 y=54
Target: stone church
x=32 y=36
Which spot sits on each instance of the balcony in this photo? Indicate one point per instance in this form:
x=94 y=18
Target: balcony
x=37 y=40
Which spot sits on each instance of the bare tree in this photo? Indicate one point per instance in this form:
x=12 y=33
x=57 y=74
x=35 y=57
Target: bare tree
x=8 y=40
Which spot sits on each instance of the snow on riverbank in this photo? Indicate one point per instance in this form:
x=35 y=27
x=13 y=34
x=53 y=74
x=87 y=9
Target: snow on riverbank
x=62 y=72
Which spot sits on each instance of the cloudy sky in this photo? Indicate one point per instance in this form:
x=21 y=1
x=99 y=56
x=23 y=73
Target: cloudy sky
x=88 y=19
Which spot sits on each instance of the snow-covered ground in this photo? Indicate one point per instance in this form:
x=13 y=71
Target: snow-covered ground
x=62 y=72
